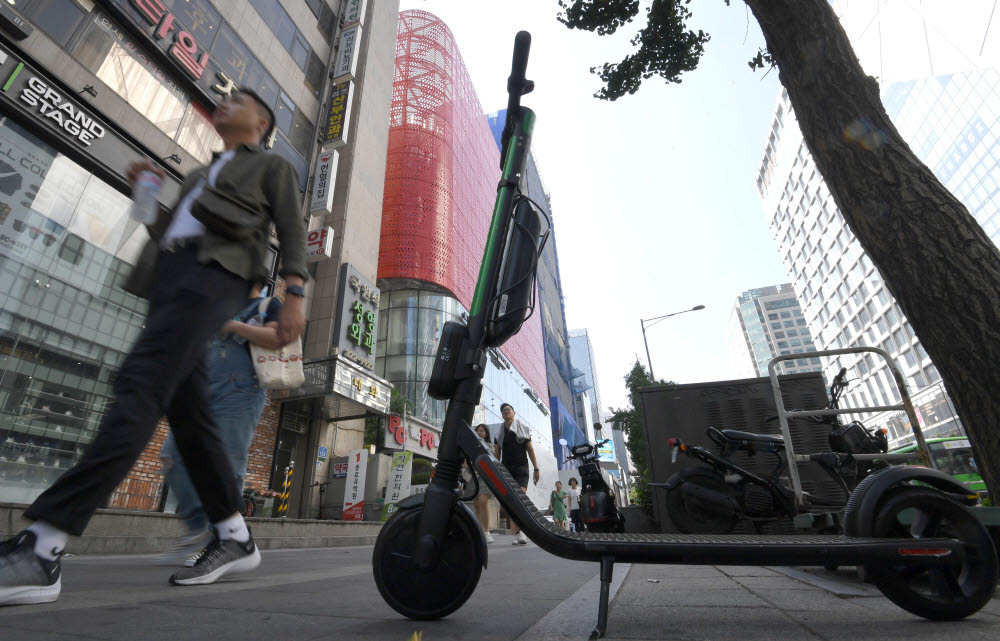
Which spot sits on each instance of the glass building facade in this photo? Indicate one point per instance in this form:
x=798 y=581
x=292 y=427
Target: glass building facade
x=66 y=246
x=410 y=324
x=67 y=242
x=769 y=320
x=941 y=91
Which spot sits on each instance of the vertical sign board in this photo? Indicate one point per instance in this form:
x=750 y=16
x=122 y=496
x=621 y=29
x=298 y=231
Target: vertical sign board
x=399 y=482
x=354 y=12
x=357 y=318
x=345 y=66
x=323 y=182
x=354 y=489
x=338 y=115
x=319 y=243
x=606 y=452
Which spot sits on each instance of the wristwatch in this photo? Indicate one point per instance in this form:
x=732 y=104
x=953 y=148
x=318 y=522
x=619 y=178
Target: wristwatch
x=295 y=290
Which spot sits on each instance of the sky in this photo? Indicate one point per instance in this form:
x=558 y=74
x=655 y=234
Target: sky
x=654 y=204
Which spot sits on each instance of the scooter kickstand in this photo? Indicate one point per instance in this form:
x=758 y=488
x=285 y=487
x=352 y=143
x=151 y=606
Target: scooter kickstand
x=607 y=569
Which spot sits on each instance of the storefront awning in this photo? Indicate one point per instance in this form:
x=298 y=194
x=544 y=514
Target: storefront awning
x=349 y=389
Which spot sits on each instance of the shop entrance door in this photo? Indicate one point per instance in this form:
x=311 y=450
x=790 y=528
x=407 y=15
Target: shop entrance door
x=296 y=419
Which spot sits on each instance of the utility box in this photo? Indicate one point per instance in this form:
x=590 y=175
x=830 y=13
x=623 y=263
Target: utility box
x=686 y=411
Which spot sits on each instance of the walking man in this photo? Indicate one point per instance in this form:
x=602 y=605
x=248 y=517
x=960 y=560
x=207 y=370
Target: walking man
x=514 y=438
x=207 y=250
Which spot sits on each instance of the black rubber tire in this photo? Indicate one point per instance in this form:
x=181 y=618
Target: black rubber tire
x=939 y=594
x=434 y=593
x=689 y=517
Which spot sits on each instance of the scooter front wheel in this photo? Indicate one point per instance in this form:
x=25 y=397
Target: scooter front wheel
x=936 y=593
x=440 y=590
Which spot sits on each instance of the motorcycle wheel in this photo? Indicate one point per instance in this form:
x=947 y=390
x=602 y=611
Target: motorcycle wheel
x=439 y=591
x=943 y=593
x=692 y=516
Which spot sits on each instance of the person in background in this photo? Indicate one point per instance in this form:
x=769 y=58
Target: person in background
x=514 y=439
x=574 y=504
x=196 y=272
x=557 y=506
x=481 y=502
x=237 y=402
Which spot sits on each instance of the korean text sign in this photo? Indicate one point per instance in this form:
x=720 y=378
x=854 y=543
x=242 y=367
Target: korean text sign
x=354 y=489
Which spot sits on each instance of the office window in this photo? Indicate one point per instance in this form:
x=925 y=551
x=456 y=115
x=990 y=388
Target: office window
x=281 y=25
x=283 y=113
x=314 y=74
x=58 y=18
x=199 y=18
x=316 y=6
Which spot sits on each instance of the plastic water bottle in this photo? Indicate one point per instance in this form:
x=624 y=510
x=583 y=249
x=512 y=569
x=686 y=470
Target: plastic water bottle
x=145 y=207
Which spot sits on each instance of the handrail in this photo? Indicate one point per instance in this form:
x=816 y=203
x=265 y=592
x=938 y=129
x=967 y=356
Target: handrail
x=905 y=404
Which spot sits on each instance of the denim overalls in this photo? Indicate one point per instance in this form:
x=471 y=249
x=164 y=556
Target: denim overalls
x=236 y=404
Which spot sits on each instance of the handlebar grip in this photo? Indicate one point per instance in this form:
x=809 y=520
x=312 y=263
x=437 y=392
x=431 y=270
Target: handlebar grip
x=517 y=86
x=839 y=378
x=519 y=63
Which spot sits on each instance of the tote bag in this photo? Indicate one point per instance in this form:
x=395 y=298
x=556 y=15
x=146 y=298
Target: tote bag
x=277 y=368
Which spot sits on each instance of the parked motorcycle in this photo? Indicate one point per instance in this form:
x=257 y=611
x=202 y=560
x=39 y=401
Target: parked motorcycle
x=598 y=509
x=714 y=499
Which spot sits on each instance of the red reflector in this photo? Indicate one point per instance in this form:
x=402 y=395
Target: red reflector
x=673 y=442
x=924 y=551
x=491 y=475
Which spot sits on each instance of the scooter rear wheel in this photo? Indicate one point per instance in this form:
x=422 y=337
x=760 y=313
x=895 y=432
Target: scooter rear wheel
x=693 y=516
x=942 y=593
x=439 y=591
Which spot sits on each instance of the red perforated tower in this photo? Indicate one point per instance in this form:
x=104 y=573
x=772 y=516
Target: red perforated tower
x=441 y=174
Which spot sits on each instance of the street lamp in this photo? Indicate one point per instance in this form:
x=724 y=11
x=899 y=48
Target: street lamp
x=654 y=321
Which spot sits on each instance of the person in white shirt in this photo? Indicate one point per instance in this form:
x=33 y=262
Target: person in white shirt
x=514 y=439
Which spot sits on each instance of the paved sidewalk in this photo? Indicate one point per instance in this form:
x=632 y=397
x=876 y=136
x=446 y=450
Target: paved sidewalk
x=526 y=594
x=718 y=603
x=306 y=594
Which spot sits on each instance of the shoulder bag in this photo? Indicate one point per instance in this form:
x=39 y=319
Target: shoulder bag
x=277 y=368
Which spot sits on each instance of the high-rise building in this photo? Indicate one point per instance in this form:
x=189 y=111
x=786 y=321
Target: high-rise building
x=440 y=185
x=589 y=407
x=937 y=64
x=770 y=323
x=140 y=78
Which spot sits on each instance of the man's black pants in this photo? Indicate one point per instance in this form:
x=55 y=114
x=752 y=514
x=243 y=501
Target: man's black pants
x=165 y=374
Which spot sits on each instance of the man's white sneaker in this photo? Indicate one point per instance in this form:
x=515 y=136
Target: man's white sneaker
x=489 y=538
x=221 y=557
x=520 y=539
x=26 y=577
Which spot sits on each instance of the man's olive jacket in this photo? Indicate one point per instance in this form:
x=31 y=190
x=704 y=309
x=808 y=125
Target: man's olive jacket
x=266 y=182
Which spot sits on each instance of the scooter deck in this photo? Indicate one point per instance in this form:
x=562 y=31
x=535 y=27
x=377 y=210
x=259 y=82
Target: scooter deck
x=703 y=549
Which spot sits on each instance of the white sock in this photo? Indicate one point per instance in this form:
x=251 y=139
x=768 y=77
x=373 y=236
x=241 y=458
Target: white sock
x=233 y=528
x=49 y=541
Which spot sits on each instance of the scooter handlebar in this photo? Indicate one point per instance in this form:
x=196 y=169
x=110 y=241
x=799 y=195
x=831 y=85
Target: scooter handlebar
x=517 y=86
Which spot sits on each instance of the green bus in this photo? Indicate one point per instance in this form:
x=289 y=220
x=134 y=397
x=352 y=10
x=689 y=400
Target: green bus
x=953 y=455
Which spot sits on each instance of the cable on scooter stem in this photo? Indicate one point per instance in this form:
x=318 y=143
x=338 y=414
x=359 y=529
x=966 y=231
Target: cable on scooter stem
x=517 y=86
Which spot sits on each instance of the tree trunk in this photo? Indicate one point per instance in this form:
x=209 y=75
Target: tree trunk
x=937 y=261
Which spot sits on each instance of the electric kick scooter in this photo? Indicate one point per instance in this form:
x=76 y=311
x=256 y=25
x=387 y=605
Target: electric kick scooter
x=928 y=555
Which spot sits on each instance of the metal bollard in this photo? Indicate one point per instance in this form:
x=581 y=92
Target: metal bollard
x=285 y=491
